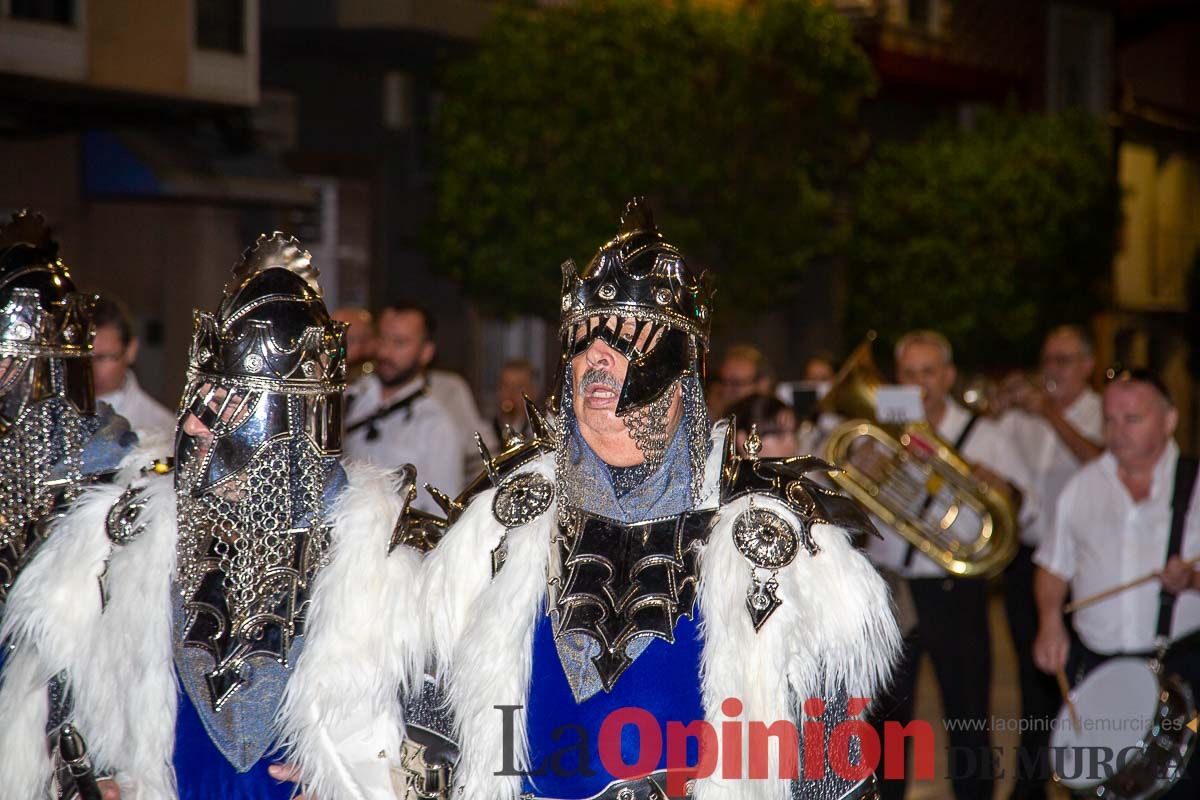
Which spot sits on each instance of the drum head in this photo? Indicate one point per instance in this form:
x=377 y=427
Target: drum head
x=1116 y=704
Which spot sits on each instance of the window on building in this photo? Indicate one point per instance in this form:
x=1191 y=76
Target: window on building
x=221 y=25
x=61 y=12
x=1079 y=55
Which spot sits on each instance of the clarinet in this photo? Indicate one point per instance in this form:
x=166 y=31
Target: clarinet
x=73 y=751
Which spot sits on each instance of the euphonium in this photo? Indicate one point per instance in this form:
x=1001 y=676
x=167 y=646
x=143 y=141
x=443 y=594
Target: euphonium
x=914 y=481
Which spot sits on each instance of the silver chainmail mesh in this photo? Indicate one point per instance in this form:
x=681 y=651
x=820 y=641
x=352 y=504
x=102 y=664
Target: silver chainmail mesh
x=246 y=528
x=699 y=428
x=647 y=427
x=48 y=437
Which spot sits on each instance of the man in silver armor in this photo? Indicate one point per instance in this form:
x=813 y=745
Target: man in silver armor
x=626 y=558
x=209 y=577
x=53 y=440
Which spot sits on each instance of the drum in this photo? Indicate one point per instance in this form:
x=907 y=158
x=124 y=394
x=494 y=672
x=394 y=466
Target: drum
x=1133 y=740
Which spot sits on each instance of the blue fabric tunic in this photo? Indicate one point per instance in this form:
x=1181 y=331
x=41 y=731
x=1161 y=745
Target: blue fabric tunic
x=664 y=681
x=203 y=773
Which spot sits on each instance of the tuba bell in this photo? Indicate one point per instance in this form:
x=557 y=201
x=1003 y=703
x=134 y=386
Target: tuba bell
x=914 y=481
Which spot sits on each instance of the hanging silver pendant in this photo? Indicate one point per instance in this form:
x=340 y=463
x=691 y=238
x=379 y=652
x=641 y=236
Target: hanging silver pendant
x=762 y=600
x=499 y=554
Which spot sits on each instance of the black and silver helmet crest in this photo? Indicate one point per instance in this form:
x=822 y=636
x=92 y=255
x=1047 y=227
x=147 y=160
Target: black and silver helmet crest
x=638 y=277
x=45 y=325
x=47 y=406
x=256 y=457
x=269 y=361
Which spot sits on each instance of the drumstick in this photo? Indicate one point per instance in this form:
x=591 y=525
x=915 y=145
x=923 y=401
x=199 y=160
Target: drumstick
x=1107 y=593
x=1065 y=688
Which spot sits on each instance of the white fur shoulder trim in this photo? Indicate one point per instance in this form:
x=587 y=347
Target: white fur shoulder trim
x=57 y=621
x=340 y=719
x=482 y=631
x=834 y=631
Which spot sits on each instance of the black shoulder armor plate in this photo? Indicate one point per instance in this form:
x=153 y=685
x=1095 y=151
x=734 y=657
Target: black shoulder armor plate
x=787 y=480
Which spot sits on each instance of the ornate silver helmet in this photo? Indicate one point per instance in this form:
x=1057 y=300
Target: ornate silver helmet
x=637 y=276
x=47 y=406
x=640 y=297
x=45 y=325
x=256 y=465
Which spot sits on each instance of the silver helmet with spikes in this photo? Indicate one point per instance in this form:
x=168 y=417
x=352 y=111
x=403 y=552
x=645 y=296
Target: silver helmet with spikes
x=256 y=459
x=638 y=277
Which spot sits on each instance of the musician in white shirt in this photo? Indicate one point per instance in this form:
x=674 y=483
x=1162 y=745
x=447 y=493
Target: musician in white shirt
x=1113 y=525
x=392 y=418
x=1056 y=425
x=951 y=613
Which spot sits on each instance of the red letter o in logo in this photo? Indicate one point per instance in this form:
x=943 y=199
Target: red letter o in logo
x=649 y=743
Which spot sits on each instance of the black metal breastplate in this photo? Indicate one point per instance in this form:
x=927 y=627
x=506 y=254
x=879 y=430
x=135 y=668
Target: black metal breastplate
x=621 y=584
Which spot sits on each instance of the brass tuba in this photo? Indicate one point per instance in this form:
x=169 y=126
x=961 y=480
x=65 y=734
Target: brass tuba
x=914 y=481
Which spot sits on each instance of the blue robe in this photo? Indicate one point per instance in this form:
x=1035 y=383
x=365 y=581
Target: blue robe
x=664 y=680
x=204 y=774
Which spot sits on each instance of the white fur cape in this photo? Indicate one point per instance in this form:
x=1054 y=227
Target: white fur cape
x=119 y=655
x=340 y=720
x=834 y=630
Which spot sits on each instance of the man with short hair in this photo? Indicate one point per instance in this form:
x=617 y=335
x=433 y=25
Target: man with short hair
x=114 y=351
x=1056 y=426
x=392 y=416
x=744 y=371
x=1128 y=513
x=819 y=369
x=951 y=622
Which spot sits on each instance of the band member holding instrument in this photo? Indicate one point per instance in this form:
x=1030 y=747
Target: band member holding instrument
x=1056 y=425
x=951 y=622
x=1127 y=513
x=771 y=419
x=176 y=603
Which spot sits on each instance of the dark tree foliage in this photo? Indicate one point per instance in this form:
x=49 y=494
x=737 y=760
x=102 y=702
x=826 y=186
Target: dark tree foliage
x=740 y=126
x=991 y=236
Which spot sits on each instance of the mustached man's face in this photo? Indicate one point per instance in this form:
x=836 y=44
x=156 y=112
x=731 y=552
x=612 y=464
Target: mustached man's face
x=597 y=375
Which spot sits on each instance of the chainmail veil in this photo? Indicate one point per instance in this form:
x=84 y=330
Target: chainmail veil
x=647 y=427
x=40 y=468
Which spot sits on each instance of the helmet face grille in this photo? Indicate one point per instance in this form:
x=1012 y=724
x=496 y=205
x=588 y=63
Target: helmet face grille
x=639 y=296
